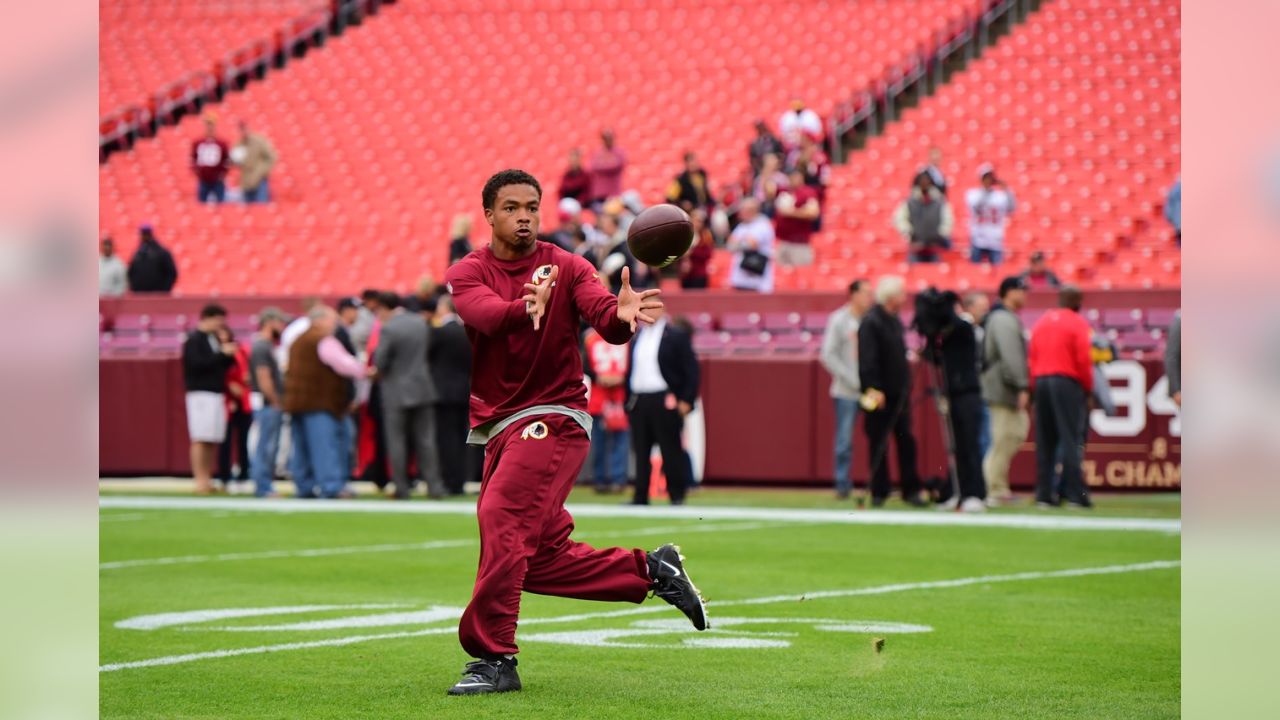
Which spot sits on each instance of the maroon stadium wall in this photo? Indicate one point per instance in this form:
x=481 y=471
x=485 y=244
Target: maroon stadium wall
x=768 y=420
x=681 y=303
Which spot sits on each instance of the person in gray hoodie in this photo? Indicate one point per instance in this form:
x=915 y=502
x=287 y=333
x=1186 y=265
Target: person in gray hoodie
x=1005 y=386
x=839 y=356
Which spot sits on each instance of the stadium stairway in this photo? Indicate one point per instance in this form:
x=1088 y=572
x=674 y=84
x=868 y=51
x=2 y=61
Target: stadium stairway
x=1078 y=109
x=387 y=132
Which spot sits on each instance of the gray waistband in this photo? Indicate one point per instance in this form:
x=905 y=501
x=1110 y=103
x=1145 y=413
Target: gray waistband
x=483 y=434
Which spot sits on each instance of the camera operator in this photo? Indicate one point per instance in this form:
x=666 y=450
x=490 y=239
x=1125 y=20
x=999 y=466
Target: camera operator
x=952 y=345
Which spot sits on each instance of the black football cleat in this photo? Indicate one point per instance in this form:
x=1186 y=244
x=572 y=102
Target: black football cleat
x=672 y=583
x=488 y=676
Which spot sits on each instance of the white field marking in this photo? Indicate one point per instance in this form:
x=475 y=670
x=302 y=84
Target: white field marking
x=432 y=545
x=898 y=587
x=714 y=638
x=121 y=517
x=1047 y=521
x=432 y=614
x=266 y=554
x=163 y=620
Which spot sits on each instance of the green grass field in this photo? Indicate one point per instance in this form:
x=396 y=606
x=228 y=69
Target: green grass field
x=795 y=608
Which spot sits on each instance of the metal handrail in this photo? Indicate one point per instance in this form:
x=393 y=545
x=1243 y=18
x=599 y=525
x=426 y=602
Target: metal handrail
x=970 y=36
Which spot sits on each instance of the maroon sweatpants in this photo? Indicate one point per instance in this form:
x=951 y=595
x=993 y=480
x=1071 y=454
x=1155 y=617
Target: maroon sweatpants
x=529 y=470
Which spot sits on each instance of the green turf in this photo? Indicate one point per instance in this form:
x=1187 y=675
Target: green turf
x=1086 y=647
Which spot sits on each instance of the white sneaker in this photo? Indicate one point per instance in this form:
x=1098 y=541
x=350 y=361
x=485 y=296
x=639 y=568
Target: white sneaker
x=972 y=505
x=949 y=505
x=992 y=502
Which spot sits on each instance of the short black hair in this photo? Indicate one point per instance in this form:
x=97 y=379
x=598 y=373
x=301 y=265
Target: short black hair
x=389 y=300
x=857 y=285
x=212 y=310
x=507 y=177
x=369 y=294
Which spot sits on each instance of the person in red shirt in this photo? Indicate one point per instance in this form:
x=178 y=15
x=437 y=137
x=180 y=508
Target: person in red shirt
x=522 y=301
x=1059 y=356
x=210 y=161
x=239 y=418
x=797 y=209
x=695 y=270
x=610 y=436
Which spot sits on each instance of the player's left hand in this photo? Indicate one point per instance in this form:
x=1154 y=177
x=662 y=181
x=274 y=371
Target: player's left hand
x=537 y=296
x=632 y=305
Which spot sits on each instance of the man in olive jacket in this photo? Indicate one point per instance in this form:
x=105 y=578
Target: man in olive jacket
x=1005 y=385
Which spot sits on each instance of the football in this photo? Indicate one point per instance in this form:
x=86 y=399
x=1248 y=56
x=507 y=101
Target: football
x=660 y=235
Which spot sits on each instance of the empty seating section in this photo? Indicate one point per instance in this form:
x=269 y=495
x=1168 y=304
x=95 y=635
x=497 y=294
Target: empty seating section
x=394 y=127
x=1078 y=109
x=146 y=45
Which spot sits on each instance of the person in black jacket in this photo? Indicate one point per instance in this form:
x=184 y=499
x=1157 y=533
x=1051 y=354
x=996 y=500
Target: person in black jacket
x=152 y=268
x=690 y=189
x=450 y=360
x=886 y=384
x=204 y=375
x=662 y=388
x=959 y=356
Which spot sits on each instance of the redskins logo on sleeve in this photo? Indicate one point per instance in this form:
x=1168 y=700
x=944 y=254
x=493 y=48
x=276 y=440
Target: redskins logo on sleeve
x=535 y=431
x=541 y=274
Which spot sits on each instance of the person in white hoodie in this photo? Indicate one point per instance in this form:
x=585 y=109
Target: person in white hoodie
x=989 y=209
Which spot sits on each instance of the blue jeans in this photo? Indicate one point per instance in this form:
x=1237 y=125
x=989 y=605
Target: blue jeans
x=346 y=445
x=846 y=418
x=978 y=255
x=207 y=190
x=610 y=454
x=984 y=432
x=260 y=194
x=317 y=459
x=262 y=466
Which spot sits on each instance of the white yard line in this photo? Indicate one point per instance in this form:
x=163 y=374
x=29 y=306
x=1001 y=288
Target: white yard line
x=400 y=547
x=121 y=517
x=822 y=594
x=1061 y=520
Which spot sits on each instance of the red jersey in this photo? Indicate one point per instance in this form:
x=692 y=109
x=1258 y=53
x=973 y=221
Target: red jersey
x=1061 y=345
x=796 y=230
x=606 y=359
x=211 y=159
x=238 y=372
x=514 y=368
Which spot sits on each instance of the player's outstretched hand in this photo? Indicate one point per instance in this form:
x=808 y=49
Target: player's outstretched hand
x=535 y=301
x=632 y=305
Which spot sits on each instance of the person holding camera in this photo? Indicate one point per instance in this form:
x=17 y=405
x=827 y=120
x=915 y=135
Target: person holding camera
x=952 y=346
x=885 y=378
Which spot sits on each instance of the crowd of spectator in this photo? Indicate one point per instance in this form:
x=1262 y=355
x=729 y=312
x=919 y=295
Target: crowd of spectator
x=378 y=390
x=355 y=388
x=993 y=373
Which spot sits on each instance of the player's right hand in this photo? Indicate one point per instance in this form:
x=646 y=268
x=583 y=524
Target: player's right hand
x=537 y=296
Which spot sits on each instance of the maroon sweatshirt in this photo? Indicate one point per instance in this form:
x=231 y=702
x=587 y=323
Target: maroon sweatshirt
x=514 y=368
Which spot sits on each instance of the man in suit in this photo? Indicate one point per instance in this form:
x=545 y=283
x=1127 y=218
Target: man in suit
x=450 y=361
x=662 y=387
x=886 y=383
x=407 y=396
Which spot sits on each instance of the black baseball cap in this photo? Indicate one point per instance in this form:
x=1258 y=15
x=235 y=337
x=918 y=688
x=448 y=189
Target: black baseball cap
x=1013 y=282
x=347 y=303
